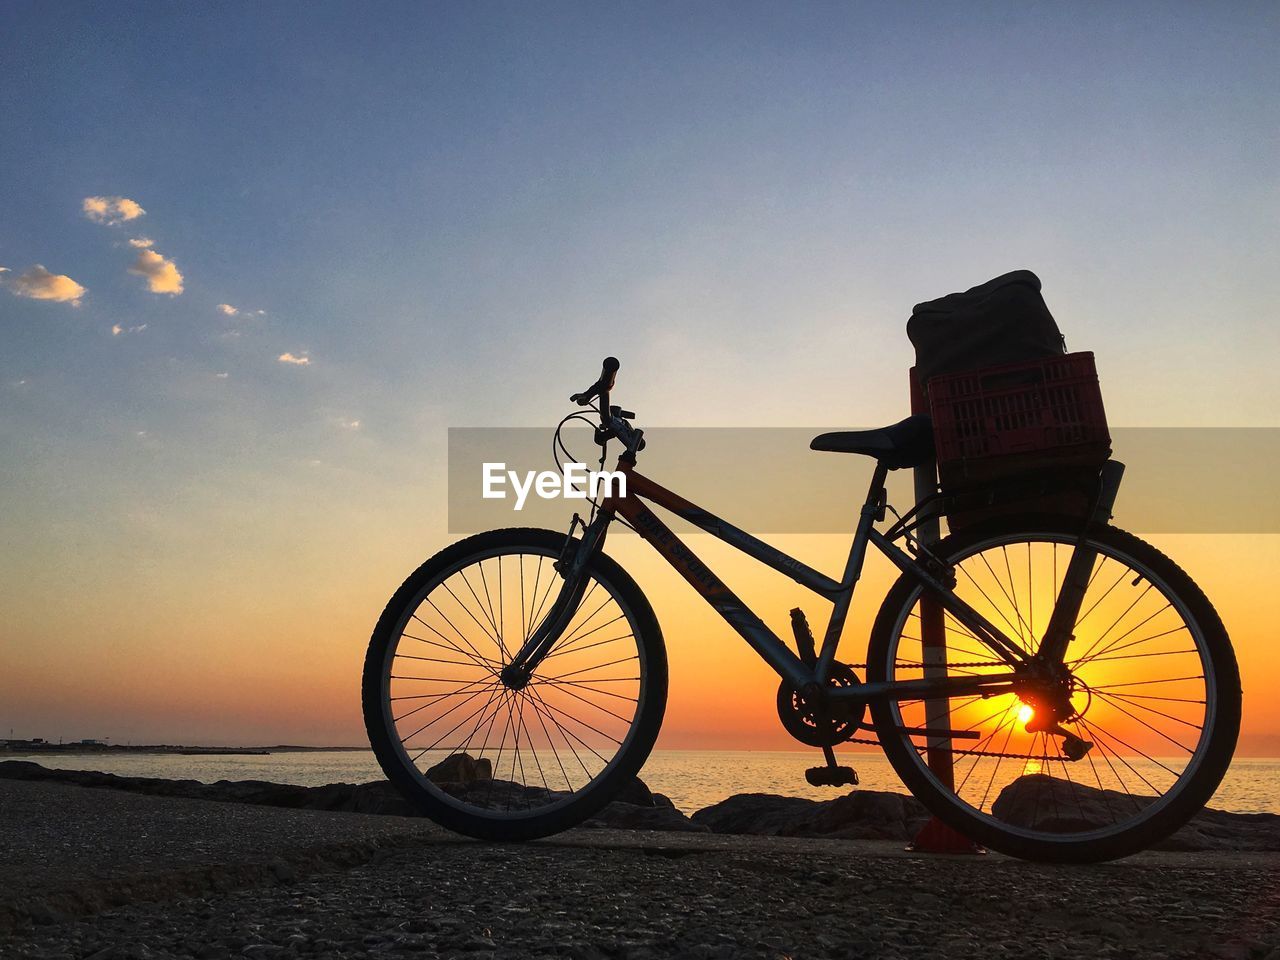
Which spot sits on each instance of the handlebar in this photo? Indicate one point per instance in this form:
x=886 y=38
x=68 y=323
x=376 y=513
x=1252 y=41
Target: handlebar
x=601 y=388
x=613 y=421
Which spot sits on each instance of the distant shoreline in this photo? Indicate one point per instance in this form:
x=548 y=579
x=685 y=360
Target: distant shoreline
x=80 y=749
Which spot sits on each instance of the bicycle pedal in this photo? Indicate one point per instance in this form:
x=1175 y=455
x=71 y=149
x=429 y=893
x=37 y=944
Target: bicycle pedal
x=832 y=776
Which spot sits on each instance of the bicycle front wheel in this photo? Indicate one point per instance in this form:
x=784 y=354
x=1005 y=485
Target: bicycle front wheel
x=493 y=761
x=1154 y=688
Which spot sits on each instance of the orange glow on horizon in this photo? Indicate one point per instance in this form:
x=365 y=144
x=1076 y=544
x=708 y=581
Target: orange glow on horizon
x=276 y=656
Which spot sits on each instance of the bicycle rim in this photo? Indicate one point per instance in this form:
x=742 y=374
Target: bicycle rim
x=1147 y=696
x=480 y=749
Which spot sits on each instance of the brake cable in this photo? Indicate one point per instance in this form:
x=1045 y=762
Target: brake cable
x=558 y=447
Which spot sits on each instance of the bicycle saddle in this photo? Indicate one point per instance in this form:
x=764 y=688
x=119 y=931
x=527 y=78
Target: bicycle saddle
x=907 y=443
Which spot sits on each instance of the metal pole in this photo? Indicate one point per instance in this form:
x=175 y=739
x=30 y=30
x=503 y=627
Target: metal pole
x=935 y=836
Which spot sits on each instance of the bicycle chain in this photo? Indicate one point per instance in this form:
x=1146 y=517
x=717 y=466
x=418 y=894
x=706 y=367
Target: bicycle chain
x=963 y=753
x=958 y=666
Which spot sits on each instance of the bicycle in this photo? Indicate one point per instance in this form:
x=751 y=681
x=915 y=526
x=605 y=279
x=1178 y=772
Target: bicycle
x=1002 y=659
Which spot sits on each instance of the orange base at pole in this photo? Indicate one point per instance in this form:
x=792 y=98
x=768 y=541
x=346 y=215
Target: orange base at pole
x=936 y=837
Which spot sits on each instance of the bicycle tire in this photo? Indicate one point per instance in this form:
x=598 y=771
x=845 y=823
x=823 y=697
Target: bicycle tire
x=437 y=804
x=1193 y=789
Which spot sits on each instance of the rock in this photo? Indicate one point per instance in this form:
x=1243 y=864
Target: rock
x=1047 y=803
x=1035 y=800
x=461 y=768
x=1220 y=830
x=633 y=816
x=636 y=807
x=635 y=792
x=1040 y=802
x=871 y=815
x=381 y=797
x=867 y=814
x=504 y=794
x=757 y=813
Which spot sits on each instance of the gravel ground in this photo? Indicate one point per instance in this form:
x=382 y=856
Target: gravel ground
x=600 y=894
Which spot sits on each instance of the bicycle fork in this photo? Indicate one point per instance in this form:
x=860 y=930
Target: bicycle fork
x=1050 y=658
x=572 y=566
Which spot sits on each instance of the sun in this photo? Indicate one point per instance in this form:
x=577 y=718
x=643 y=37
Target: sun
x=1025 y=713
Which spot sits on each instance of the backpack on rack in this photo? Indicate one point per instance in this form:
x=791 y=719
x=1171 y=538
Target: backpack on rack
x=1018 y=423
x=1002 y=321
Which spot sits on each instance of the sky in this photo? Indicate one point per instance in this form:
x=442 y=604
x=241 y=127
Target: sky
x=257 y=263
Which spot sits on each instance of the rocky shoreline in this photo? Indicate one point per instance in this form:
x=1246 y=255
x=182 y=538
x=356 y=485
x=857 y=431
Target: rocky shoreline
x=857 y=815
x=116 y=874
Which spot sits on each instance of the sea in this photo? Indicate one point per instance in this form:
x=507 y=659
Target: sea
x=693 y=779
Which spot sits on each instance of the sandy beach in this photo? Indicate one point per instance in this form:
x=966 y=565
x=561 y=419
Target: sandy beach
x=112 y=874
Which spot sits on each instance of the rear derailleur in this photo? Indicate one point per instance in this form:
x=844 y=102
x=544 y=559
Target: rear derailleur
x=1051 y=705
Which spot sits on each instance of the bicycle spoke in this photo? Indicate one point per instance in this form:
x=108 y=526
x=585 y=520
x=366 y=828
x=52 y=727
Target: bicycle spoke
x=598 y=643
x=550 y=742
x=487 y=614
x=454 y=693
x=1132 y=643
x=1156 y=730
x=1120 y=702
x=442 y=646
x=472 y=653
x=575 y=645
x=537 y=616
x=495 y=617
x=469 y=644
x=586 y=686
x=597 y=706
x=1167 y=716
x=467 y=610
x=563 y=733
x=538 y=746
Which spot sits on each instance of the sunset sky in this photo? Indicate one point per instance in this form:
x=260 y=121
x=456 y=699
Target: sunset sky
x=257 y=261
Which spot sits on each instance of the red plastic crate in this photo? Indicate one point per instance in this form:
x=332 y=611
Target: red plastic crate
x=1028 y=415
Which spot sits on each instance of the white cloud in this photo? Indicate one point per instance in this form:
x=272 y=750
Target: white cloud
x=348 y=424
x=111 y=210
x=141 y=242
x=116 y=329
x=222 y=376
x=228 y=310
x=38 y=283
x=301 y=360
x=161 y=274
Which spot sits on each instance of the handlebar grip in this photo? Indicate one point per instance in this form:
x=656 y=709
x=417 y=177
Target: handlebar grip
x=609 y=372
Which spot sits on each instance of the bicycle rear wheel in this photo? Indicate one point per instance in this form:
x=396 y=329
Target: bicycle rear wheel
x=1155 y=688
x=503 y=763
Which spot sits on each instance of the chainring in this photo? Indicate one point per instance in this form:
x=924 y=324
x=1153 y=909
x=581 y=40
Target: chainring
x=806 y=724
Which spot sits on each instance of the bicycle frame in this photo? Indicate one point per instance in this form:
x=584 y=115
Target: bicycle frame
x=764 y=641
